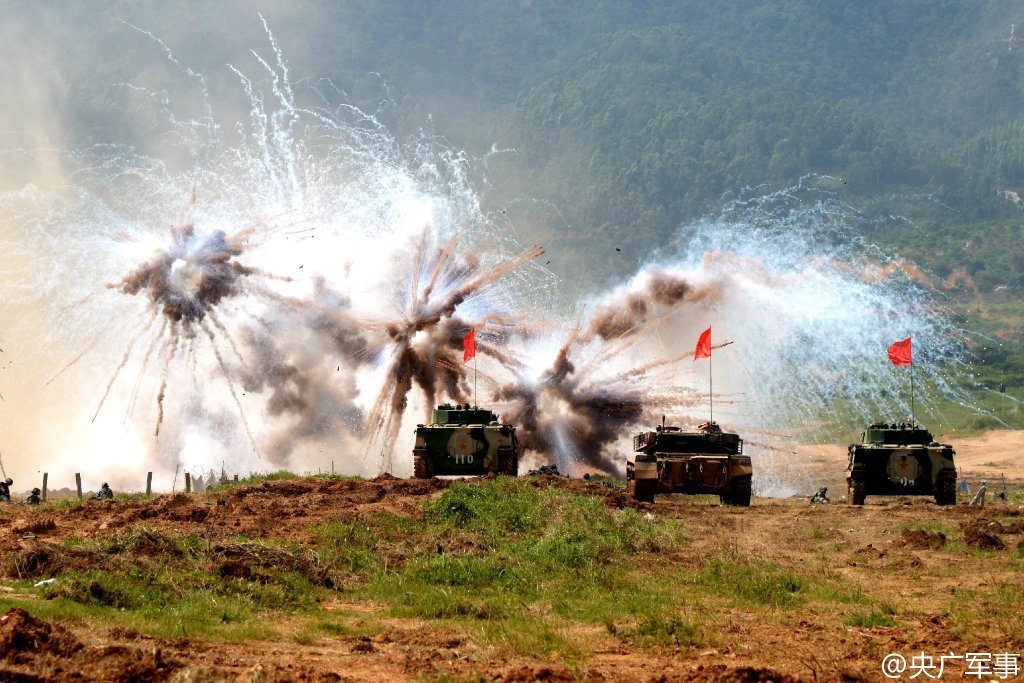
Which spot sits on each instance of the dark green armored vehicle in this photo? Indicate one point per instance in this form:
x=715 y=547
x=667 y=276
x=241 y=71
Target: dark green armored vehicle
x=900 y=460
x=705 y=460
x=464 y=440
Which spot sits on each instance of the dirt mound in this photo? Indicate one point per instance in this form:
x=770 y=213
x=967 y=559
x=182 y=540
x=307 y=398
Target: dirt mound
x=981 y=533
x=286 y=487
x=34 y=526
x=49 y=651
x=866 y=554
x=526 y=674
x=614 y=496
x=744 y=674
x=1015 y=528
x=22 y=635
x=919 y=539
x=119 y=663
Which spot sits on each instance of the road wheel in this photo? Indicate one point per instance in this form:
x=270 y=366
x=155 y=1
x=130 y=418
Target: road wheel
x=739 y=495
x=510 y=465
x=945 y=493
x=420 y=466
x=643 y=489
x=855 y=492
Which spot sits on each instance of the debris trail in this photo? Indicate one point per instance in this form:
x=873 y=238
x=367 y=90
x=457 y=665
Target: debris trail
x=120 y=366
x=227 y=335
x=164 y=372
x=231 y=386
x=88 y=347
x=142 y=369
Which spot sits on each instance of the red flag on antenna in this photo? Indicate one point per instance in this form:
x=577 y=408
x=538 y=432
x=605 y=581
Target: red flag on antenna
x=468 y=346
x=703 y=349
x=900 y=353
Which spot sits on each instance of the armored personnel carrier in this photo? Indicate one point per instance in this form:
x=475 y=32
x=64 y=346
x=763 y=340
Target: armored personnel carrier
x=900 y=460
x=705 y=460
x=464 y=440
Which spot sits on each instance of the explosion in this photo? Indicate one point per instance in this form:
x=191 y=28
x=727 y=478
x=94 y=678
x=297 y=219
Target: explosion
x=188 y=278
x=312 y=334
x=423 y=345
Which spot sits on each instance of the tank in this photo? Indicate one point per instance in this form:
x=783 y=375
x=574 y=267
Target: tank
x=464 y=440
x=900 y=460
x=704 y=460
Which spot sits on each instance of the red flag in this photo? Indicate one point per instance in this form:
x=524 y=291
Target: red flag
x=468 y=346
x=900 y=353
x=703 y=349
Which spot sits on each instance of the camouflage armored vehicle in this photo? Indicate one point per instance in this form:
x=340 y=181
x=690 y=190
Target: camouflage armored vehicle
x=705 y=460
x=464 y=440
x=900 y=460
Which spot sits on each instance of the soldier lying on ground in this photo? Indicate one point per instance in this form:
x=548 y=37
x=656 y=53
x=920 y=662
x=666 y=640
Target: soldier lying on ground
x=104 y=493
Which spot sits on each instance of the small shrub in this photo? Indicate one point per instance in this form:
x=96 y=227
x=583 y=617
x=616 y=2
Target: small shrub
x=658 y=630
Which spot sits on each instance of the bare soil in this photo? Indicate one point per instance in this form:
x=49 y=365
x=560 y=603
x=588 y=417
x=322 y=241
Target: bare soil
x=887 y=549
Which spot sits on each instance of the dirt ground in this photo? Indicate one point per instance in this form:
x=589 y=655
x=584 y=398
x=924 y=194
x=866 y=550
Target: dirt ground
x=884 y=548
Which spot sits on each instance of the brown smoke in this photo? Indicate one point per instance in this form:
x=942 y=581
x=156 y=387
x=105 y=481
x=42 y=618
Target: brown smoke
x=425 y=344
x=190 y=276
x=317 y=405
x=632 y=312
x=593 y=416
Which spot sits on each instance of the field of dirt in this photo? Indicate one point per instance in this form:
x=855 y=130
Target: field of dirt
x=886 y=549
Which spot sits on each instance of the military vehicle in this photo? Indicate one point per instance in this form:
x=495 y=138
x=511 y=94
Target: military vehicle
x=464 y=440
x=705 y=460
x=900 y=460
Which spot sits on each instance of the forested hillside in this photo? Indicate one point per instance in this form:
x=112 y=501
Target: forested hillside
x=624 y=120
x=631 y=118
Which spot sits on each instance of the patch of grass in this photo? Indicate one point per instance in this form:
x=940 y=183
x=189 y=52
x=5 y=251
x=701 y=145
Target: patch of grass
x=494 y=511
x=348 y=544
x=980 y=615
x=336 y=477
x=754 y=581
x=657 y=630
x=333 y=627
x=254 y=479
x=132 y=495
x=63 y=504
x=930 y=526
x=834 y=587
x=506 y=553
x=526 y=636
x=885 y=616
x=303 y=637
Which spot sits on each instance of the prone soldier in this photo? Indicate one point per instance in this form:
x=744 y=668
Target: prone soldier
x=104 y=493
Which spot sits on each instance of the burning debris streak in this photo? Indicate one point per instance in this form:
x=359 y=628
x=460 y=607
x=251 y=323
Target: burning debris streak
x=120 y=366
x=172 y=347
x=231 y=385
x=133 y=400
